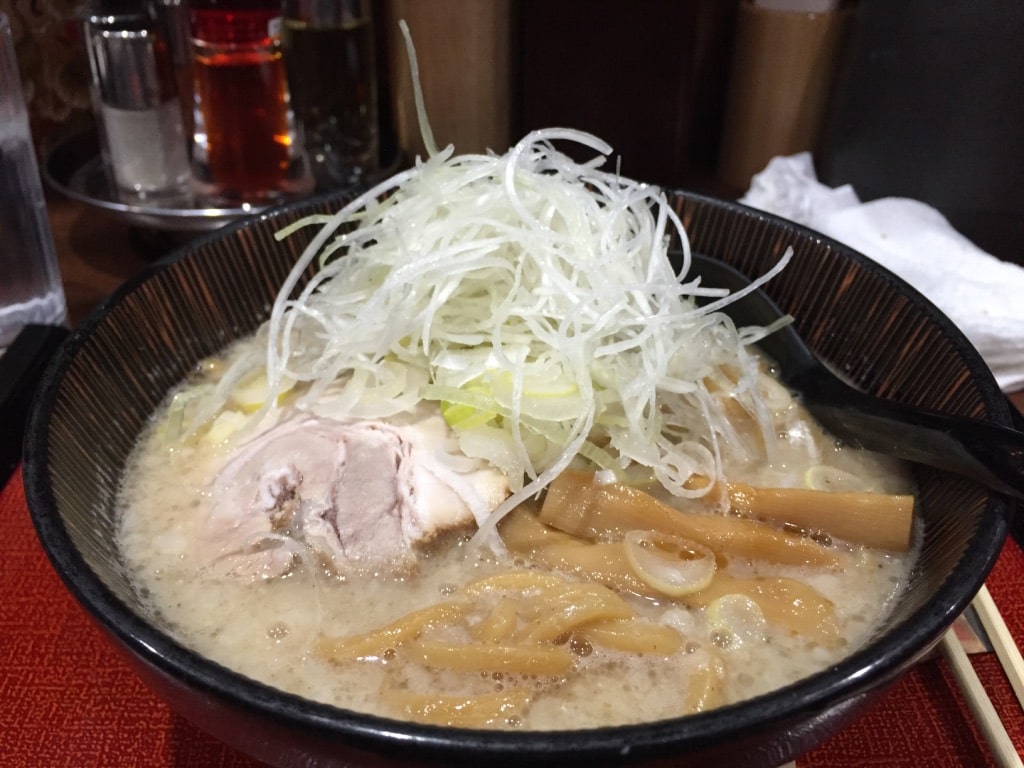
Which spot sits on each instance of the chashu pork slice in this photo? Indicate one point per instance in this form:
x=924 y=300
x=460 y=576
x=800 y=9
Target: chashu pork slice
x=362 y=495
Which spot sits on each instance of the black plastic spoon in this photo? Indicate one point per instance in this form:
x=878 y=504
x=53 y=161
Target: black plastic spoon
x=989 y=454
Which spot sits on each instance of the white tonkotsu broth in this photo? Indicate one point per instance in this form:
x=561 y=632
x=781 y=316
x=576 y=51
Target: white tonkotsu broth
x=360 y=503
x=267 y=629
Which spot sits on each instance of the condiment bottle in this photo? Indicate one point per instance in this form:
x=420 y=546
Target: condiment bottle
x=332 y=77
x=135 y=100
x=174 y=15
x=244 y=142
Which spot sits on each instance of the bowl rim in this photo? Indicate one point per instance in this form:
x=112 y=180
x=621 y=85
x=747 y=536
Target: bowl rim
x=871 y=668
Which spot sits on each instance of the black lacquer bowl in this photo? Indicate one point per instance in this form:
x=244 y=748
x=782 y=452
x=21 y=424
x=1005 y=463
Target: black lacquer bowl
x=115 y=370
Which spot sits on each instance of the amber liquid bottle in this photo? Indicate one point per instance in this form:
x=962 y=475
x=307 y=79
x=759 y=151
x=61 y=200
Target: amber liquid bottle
x=245 y=147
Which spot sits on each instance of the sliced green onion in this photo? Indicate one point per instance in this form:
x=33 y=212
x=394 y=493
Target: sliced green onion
x=670 y=564
x=735 y=620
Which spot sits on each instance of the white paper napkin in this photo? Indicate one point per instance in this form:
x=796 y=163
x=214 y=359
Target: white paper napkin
x=982 y=294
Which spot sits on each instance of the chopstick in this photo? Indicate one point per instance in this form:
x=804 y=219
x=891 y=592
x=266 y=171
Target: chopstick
x=1005 y=648
x=978 y=702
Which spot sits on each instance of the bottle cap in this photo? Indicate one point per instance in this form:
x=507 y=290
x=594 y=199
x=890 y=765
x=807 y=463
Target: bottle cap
x=328 y=13
x=244 y=26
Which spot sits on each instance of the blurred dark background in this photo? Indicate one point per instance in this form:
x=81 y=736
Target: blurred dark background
x=913 y=98
x=649 y=78
x=928 y=103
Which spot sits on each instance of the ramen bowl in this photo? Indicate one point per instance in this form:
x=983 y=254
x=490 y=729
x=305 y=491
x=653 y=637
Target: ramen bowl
x=115 y=370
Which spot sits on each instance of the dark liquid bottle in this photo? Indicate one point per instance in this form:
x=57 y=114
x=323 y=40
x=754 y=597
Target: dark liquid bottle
x=245 y=147
x=331 y=63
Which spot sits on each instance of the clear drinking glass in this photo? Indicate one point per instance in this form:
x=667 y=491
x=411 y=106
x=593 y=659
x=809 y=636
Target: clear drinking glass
x=30 y=285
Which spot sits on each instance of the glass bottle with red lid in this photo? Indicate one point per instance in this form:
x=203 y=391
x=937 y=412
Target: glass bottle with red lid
x=245 y=147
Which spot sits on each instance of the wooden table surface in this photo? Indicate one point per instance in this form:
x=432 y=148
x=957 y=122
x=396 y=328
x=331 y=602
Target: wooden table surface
x=96 y=253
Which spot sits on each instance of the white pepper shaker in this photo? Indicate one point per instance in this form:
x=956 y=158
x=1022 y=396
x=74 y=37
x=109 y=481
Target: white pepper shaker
x=135 y=99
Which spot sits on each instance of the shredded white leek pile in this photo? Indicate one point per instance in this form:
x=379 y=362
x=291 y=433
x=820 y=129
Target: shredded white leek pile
x=533 y=298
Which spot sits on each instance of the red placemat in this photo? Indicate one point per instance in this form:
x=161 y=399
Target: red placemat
x=68 y=699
